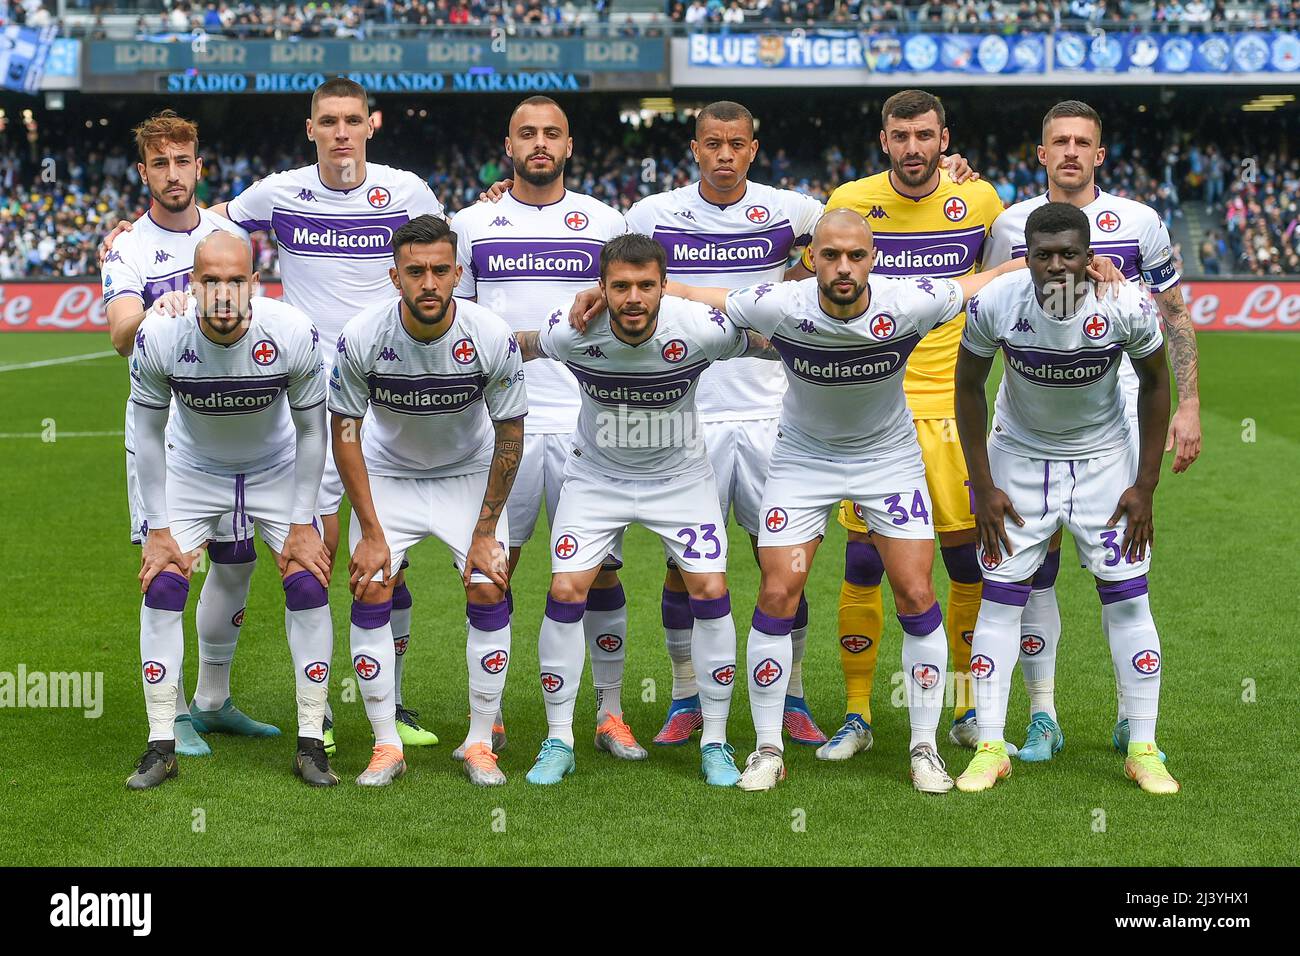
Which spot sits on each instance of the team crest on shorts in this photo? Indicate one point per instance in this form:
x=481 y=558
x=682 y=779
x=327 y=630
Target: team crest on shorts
x=990 y=561
x=265 y=352
x=551 y=682
x=463 y=352
x=1147 y=662
x=1032 y=645
x=575 y=220
x=609 y=643
x=495 y=661
x=757 y=214
x=154 y=672
x=855 y=643
x=981 y=667
x=238 y=619
x=1107 y=221
x=317 y=672
x=367 y=667
x=926 y=675
x=882 y=326
x=566 y=547
x=399 y=645
x=767 y=672
x=955 y=209
x=674 y=351
x=1095 y=326
x=379 y=197
x=724 y=675
x=776 y=519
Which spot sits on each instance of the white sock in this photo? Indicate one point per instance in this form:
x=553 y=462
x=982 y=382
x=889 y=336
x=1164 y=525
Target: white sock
x=311 y=645
x=218 y=618
x=675 y=608
x=560 y=653
x=798 y=643
x=713 y=652
x=605 y=627
x=1135 y=652
x=162 y=651
x=767 y=659
x=371 y=642
x=487 y=655
x=400 y=622
x=993 y=654
x=182 y=708
x=1040 y=635
x=925 y=662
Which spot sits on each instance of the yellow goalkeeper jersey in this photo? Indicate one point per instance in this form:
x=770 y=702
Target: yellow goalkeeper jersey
x=941 y=234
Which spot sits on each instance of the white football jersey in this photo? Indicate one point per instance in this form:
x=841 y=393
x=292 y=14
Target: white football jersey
x=334 y=245
x=231 y=413
x=431 y=404
x=1060 y=397
x=845 y=397
x=742 y=244
x=638 y=417
x=521 y=261
x=150 y=261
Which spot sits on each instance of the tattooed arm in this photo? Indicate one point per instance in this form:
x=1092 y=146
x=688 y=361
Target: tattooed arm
x=1184 y=437
x=760 y=347
x=528 y=349
x=485 y=553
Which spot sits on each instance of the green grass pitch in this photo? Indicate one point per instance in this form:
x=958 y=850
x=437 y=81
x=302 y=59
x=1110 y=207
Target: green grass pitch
x=1223 y=590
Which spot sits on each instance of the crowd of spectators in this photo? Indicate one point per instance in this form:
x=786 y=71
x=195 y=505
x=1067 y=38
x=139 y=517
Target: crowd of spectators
x=1260 y=216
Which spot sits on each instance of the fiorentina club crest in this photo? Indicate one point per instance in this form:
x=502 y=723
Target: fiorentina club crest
x=1107 y=221
x=494 y=662
x=855 y=643
x=264 y=352
x=767 y=672
x=725 y=675
x=609 y=643
x=989 y=561
x=926 y=675
x=1147 y=662
x=757 y=214
x=882 y=326
x=1032 y=645
x=981 y=666
x=566 y=546
x=551 y=683
x=154 y=671
x=776 y=519
x=674 y=351
x=317 y=671
x=378 y=197
x=955 y=209
x=575 y=220
x=463 y=352
x=1095 y=326
x=367 y=667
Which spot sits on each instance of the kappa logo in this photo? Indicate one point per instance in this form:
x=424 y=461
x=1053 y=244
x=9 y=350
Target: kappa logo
x=554 y=320
x=674 y=351
x=463 y=352
x=806 y=326
x=551 y=683
x=566 y=547
x=1147 y=662
x=494 y=662
x=238 y=619
x=513 y=347
x=189 y=356
x=113 y=256
x=154 y=671
x=776 y=519
x=762 y=289
x=609 y=643
x=878 y=212
x=757 y=214
x=317 y=672
x=400 y=644
x=139 y=342
x=162 y=255
x=925 y=285
x=389 y=354
x=981 y=666
x=955 y=209
x=315 y=336
x=926 y=676
x=1095 y=326
x=855 y=643
x=718 y=318
x=575 y=220
x=990 y=561
x=341 y=346
x=264 y=352
x=499 y=221
x=367 y=667
x=882 y=326
x=685 y=214
x=725 y=674
x=767 y=672
x=378 y=197
x=1032 y=645
x=306 y=195
x=1107 y=221
x=593 y=351
x=1022 y=325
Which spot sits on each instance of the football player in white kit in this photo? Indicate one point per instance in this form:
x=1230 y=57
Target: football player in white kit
x=539 y=244
x=443 y=386
x=248 y=436
x=1060 y=456
x=844 y=337
x=1132 y=235
x=147 y=264
x=638 y=456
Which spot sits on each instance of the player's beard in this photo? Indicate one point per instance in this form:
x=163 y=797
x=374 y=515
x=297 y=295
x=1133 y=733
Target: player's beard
x=539 y=178
x=840 y=298
x=908 y=179
x=421 y=314
x=173 y=203
x=225 y=323
x=651 y=315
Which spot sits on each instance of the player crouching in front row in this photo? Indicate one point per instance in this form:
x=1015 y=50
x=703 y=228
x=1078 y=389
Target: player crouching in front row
x=436 y=459
x=249 y=437
x=1061 y=454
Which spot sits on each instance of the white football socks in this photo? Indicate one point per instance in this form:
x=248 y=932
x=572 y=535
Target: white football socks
x=487 y=655
x=371 y=642
x=994 y=651
x=218 y=619
x=713 y=654
x=1135 y=652
x=162 y=650
x=675 y=608
x=311 y=646
x=605 y=626
x=925 y=666
x=767 y=661
x=560 y=648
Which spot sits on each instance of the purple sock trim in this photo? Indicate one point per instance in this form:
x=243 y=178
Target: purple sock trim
x=711 y=608
x=1002 y=592
x=401 y=597
x=800 y=614
x=675 y=608
x=606 y=599
x=488 y=617
x=1045 y=576
x=962 y=563
x=1114 y=591
x=919 y=625
x=232 y=552
x=565 y=612
x=862 y=564
x=371 y=616
x=510 y=600
x=168 y=591
x=302 y=592
x=775 y=626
